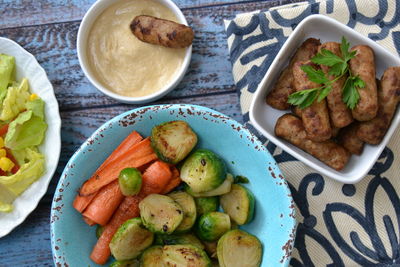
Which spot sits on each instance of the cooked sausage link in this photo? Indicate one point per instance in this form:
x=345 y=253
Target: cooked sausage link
x=278 y=96
x=315 y=117
x=290 y=128
x=373 y=131
x=363 y=65
x=338 y=111
x=348 y=139
x=162 y=32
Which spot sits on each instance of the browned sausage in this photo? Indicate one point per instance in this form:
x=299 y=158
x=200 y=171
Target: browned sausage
x=290 y=128
x=373 y=131
x=278 y=96
x=363 y=65
x=338 y=111
x=348 y=139
x=162 y=32
x=315 y=117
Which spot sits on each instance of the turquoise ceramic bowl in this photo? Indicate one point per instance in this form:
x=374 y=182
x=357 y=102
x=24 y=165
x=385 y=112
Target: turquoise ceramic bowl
x=72 y=240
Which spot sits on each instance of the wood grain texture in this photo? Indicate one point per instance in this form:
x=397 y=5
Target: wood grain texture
x=54 y=45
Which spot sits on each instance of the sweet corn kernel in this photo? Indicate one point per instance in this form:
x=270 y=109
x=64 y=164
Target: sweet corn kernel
x=6 y=164
x=1 y=142
x=3 y=152
x=33 y=97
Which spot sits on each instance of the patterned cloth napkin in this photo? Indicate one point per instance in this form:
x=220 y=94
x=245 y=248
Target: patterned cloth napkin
x=338 y=224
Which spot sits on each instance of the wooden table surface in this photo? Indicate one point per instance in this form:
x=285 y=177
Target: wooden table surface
x=48 y=29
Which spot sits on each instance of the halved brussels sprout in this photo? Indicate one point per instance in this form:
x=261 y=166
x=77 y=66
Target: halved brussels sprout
x=203 y=171
x=151 y=257
x=185 y=256
x=130 y=240
x=131 y=263
x=160 y=214
x=181 y=239
x=212 y=225
x=206 y=204
x=186 y=201
x=224 y=188
x=239 y=204
x=237 y=248
x=173 y=140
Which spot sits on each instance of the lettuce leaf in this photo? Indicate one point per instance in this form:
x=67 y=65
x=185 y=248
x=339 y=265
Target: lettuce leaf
x=7 y=66
x=28 y=173
x=15 y=101
x=26 y=130
x=6 y=199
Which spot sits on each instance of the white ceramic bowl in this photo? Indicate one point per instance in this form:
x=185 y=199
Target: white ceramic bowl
x=264 y=117
x=84 y=30
x=28 y=67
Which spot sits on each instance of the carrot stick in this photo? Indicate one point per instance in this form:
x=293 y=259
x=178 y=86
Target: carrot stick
x=88 y=221
x=81 y=202
x=128 y=209
x=174 y=182
x=104 y=204
x=156 y=177
x=136 y=156
x=132 y=139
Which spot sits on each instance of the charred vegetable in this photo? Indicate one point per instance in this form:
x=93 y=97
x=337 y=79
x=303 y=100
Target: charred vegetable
x=188 y=205
x=206 y=204
x=173 y=140
x=239 y=204
x=224 y=188
x=213 y=225
x=151 y=257
x=181 y=239
x=130 y=240
x=237 y=248
x=185 y=256
x=203 y=171
x=160 y=214
x=130 y=181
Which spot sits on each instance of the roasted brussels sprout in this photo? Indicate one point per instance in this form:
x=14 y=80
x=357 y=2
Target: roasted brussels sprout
x=212 y=225
x=237 y=248
x=160 y=214
x=131 y=263
x=185 y=256
x=224 y=188
x=188 y=205
x=130 y=181
x=151 y=257
x=206 y=204
x=130 y=240
x=173 y=140
x=239 y=204
x=181 y=239
x=203 y=171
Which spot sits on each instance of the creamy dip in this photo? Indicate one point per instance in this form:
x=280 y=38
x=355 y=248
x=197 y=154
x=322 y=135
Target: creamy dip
x=123 y=63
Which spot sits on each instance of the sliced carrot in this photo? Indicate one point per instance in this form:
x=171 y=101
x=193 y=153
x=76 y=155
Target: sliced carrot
x=156 y=177
x=88 y=221
x=174 y=182
x=132 y=139
x=3 y=129
x=136 y=156
x=128 y=209
x=81 y=202
x=104 y=204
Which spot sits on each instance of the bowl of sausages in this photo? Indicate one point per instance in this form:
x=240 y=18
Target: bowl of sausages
x=330 y=99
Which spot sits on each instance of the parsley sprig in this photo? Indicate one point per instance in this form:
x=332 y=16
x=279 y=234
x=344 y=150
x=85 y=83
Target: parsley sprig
x=338 y=68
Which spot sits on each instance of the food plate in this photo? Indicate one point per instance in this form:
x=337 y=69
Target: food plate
x=27 y=66
x=274 y=224
x=264 y=117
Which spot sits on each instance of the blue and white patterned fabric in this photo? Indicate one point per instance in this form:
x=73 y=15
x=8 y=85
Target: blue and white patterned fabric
x=338 y=224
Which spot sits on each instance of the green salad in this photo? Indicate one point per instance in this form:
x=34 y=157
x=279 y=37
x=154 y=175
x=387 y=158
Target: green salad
x=22 y=130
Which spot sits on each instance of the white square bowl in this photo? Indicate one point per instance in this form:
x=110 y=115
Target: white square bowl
x=264 y=117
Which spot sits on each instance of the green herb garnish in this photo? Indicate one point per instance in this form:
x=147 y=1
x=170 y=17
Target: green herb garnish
x=338 y=68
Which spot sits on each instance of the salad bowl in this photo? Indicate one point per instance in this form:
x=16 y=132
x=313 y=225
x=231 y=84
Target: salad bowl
x=72 y=240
